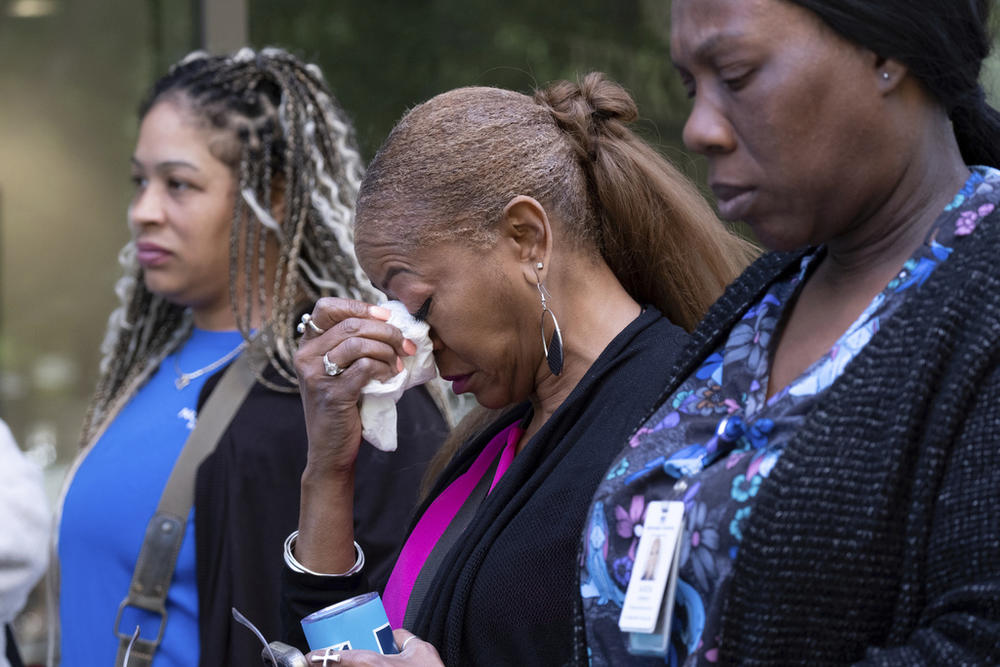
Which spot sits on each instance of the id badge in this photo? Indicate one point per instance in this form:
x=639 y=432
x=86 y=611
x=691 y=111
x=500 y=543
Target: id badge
x=649 y=599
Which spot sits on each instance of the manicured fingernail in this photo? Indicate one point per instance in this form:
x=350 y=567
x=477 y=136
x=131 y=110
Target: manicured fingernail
x=379 y=313
x=399 y=364
x=409 y=346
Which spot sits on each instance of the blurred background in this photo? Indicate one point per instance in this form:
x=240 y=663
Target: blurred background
x=72 y=73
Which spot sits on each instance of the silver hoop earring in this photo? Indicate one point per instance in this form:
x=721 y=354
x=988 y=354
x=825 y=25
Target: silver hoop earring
x=553 y=349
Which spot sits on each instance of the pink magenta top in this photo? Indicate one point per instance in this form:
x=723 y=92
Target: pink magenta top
x=438 y=516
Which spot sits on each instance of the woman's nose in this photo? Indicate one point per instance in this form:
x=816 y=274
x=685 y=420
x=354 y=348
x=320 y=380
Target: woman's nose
x=436 y=344
x=146 y=207
x=707 y=130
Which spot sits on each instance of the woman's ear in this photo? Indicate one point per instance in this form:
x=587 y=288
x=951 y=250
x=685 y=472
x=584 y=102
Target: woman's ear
x=525 y=227
x=889 y=73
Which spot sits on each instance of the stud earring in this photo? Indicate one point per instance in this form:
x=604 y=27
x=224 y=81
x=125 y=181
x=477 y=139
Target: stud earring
x=539 y=266
x=553 y=349
x=885 y=76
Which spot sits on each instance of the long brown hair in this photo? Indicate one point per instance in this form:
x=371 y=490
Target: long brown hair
x=455 y=161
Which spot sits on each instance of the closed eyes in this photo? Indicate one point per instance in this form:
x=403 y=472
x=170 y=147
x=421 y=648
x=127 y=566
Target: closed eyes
x=421 y=314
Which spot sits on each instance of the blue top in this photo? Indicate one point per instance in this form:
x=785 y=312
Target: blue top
x=109 y=502
x=714 y=442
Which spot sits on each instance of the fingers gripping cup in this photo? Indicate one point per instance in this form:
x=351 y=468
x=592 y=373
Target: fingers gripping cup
x=358 y=623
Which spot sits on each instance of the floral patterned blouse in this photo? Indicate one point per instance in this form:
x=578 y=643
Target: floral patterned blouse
x=714 y=442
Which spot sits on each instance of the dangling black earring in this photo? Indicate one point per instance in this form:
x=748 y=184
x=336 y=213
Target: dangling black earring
x=553 y=349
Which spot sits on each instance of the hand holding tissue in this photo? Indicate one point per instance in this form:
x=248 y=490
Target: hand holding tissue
x=378 y=398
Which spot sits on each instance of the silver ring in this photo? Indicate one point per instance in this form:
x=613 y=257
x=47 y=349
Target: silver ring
x=331 y=368
x=408 y=639
x=307 y=320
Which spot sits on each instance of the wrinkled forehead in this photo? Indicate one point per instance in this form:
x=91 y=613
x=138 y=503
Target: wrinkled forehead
x=380 y=243
x=700 y=28
x=397 y=269
x=370 y=239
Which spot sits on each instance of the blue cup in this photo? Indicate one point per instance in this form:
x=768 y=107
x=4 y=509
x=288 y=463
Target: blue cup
x=358 y=623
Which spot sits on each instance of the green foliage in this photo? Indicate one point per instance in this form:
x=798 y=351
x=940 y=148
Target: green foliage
x=383 y=57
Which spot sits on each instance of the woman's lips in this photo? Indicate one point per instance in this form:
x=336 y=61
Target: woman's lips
x=150 y=254
x=734 y=200
x=459 y=383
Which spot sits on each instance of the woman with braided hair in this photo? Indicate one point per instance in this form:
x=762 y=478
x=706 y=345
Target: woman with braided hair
x=488 y=212
x=246 y=174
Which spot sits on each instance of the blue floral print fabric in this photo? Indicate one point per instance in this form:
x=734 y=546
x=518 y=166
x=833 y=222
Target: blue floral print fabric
x=714 y=442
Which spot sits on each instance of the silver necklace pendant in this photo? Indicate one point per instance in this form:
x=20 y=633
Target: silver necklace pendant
x=184 y=379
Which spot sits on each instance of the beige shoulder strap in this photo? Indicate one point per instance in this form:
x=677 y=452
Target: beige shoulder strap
x=165 y=531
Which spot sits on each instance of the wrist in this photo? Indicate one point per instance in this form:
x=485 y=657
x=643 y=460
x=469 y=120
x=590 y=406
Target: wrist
x=326 y=522
x=294 y=565
x=328 y=478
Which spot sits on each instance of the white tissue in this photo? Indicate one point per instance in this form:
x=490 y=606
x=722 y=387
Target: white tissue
x=378 y=398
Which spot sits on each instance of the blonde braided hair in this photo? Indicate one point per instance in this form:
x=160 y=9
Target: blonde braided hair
x=284 y=134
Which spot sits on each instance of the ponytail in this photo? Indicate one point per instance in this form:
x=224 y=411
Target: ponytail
x=942 y=44
x=655 y=230
x=461 y=156
x=977 y=129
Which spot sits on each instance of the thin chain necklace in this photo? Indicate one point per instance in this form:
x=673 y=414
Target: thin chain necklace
x=184 y=379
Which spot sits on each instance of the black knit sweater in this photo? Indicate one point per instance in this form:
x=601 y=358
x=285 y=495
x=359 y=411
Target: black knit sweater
x=506 y=593
x=876 y=538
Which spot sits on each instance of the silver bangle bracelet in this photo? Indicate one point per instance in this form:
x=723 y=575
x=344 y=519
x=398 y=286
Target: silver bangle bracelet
x=296 y=566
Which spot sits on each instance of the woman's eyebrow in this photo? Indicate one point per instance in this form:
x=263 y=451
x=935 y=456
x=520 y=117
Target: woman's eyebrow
x=717 y=42
x=166 y=164
x=392 y=273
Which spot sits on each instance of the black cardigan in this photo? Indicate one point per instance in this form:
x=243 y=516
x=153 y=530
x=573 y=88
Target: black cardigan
x=507 y=593
x=247 y=502
x=876 y=538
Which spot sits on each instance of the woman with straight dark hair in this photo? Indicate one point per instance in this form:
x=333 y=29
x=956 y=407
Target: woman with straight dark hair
x=831 y=435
